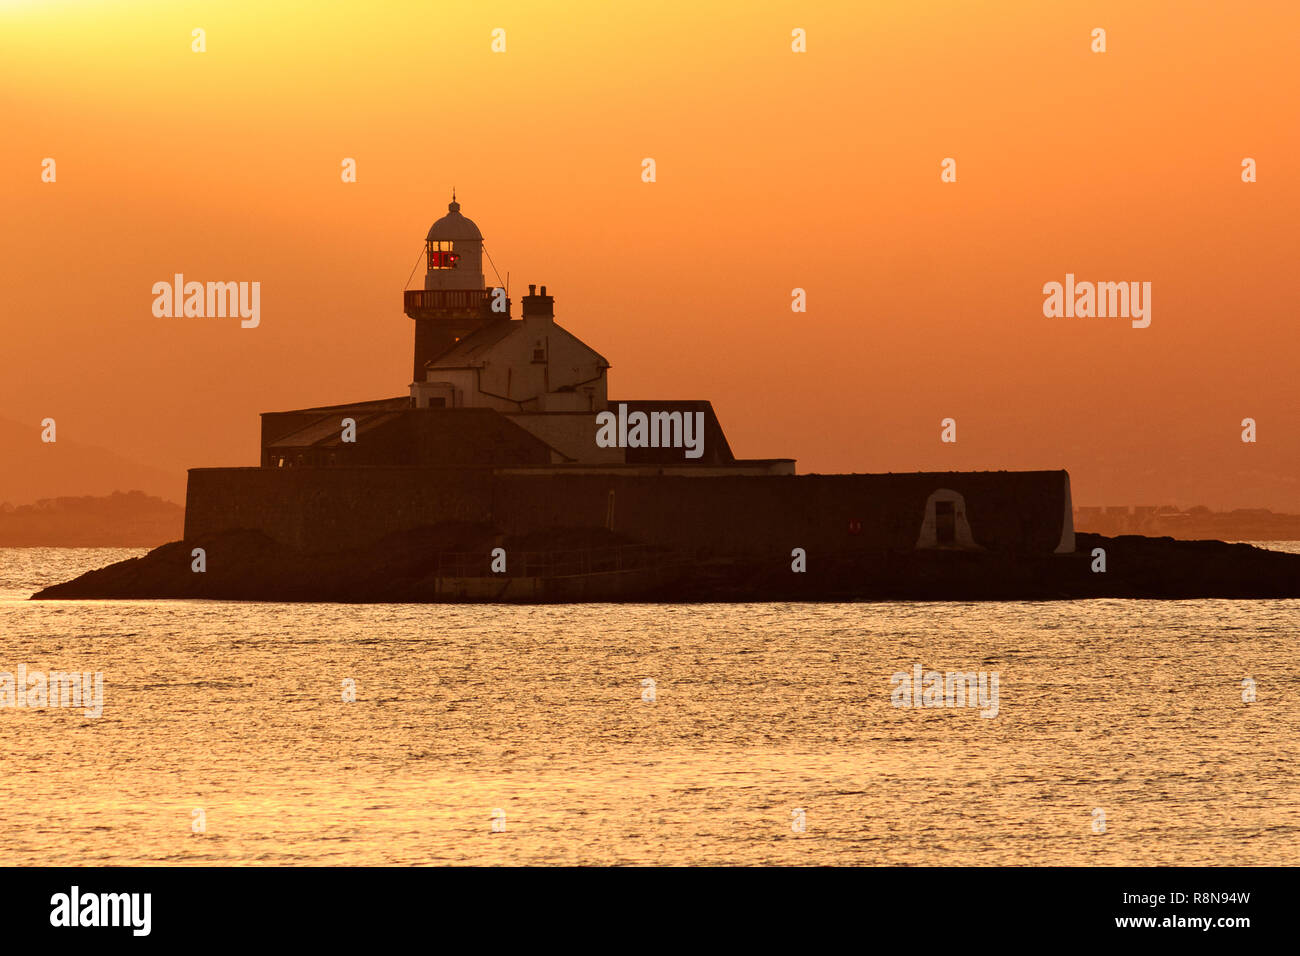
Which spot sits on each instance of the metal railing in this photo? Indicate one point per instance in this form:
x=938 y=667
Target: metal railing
x=445 y=298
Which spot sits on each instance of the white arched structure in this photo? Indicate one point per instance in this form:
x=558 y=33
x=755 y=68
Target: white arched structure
x=945 y=524
x=1066 y=545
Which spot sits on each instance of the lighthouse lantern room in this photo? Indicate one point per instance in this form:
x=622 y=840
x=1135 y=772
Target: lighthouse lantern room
x=455 y=299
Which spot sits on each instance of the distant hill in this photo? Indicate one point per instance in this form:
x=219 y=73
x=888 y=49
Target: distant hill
x=120 y=520
x=31 y=469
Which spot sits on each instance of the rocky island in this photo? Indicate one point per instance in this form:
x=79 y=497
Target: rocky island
x=454 y=563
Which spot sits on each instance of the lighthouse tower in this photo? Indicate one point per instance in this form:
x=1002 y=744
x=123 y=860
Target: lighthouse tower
x=455 y=300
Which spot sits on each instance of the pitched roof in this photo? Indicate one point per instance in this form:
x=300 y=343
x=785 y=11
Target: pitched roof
x=473 y=346
x=373 y=405
x=327 y=431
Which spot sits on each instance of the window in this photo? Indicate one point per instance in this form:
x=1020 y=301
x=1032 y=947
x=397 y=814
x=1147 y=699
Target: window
x=539 y=355
x=441 y=254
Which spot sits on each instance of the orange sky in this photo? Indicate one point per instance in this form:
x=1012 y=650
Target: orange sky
x=775 y=170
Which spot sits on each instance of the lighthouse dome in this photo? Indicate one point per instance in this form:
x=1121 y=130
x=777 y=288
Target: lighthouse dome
x=454 y=226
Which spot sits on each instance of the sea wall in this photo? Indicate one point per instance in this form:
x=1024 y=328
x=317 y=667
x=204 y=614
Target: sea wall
x=341 y=508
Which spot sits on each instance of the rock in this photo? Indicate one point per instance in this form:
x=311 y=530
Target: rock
x=450 y=562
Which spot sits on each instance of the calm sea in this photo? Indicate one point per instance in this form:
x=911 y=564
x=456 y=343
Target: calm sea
x=766 y=718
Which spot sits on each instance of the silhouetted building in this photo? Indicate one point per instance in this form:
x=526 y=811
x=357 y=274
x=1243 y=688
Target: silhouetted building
x=509 y=421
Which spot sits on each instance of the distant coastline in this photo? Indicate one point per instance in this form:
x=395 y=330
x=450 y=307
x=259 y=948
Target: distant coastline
x=1191 y=524
x=129 y=519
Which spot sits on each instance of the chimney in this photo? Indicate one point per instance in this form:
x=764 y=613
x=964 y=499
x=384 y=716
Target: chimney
x=542 y=305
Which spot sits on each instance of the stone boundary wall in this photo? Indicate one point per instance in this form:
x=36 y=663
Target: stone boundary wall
x=339 y=508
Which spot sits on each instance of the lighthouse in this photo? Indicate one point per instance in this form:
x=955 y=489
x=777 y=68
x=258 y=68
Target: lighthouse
x=455 y=300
